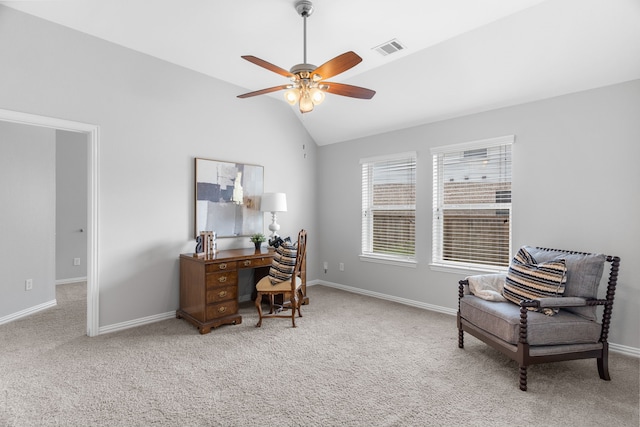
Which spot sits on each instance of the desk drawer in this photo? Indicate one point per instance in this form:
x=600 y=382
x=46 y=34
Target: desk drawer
x=224 y=293
x=254 y=262
x=221 y=279
x=221 y=266
x=222 y=309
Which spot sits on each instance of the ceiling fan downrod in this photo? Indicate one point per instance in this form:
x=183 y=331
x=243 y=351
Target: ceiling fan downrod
x=304 y=9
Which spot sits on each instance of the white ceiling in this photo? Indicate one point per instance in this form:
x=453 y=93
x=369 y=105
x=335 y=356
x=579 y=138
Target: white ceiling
x=461 y=56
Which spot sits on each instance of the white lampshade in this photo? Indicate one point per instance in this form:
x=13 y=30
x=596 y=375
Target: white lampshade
x=274 y=202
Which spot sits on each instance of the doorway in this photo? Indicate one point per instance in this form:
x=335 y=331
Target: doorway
x=92 y=132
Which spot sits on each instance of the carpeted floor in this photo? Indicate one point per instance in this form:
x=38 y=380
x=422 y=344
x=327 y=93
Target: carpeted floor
x=352 y=361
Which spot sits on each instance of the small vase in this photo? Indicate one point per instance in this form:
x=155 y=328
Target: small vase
x=257 y=244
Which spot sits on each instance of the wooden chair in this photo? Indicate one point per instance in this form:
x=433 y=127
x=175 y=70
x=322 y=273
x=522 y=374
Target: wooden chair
x=530 y=337
x=291 y=289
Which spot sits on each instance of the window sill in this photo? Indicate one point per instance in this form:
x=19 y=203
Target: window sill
x=389 y=261
x=448 y=268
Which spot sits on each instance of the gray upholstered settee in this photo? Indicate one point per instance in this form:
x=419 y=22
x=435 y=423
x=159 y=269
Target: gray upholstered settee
x=529 y=337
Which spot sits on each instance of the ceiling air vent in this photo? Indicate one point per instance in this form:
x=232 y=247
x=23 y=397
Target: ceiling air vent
x=392 y=46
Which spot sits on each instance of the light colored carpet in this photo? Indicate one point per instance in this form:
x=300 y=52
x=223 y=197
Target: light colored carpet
x=352 y=361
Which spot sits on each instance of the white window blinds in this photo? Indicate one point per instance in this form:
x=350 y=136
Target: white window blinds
x=389 y=206
x=472 y=203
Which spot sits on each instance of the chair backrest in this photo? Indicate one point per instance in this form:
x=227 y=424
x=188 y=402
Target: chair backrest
x=611 y=285
x=300 y=270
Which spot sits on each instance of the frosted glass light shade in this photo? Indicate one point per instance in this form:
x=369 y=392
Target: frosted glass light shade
x=292 y=96
x=317 y=96
x=306 y=104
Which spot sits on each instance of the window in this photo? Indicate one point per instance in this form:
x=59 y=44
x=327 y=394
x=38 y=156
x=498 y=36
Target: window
x=389 y=208
x=472 y=204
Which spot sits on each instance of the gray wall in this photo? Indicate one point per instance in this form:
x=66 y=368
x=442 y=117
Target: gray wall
x=71 y=205
x=575 y=186
x=27 y=217
x=154 y=118
x=575 y=172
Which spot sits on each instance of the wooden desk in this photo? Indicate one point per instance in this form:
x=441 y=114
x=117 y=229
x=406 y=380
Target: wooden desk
x=209 y=286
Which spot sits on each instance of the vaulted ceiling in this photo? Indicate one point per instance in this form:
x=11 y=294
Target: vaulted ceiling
x=460 y=56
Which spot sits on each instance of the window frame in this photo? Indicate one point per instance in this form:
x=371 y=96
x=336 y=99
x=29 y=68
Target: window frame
x=437 y=262
x=366 y=247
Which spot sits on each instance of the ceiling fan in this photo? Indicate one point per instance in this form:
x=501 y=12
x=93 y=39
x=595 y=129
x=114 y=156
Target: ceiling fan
x=308 y=84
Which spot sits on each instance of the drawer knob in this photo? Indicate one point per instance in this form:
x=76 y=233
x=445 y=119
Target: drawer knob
x=222 y=294
x=222 y=309
x=222 y=279
x=222 y=266
x=247 y=263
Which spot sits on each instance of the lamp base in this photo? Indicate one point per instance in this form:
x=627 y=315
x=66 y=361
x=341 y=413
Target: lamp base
x=274 y=227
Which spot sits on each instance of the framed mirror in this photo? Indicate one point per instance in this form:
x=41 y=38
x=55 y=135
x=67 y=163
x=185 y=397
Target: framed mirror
x=228 y=198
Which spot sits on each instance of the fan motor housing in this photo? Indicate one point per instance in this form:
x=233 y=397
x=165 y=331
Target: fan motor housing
x=301 y=68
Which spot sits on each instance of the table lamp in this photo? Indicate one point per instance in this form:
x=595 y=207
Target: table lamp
x=274 y=202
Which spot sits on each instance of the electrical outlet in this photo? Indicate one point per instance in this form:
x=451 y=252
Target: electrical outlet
x=76 y=261
x=28 y=284
x=342 y=266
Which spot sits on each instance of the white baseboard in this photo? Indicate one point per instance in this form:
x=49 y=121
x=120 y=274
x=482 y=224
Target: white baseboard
x=379 y=295
x=136 y=322
x=617 y=348
x=28 y=311
x=158 y=317
x=71 y=280
x=629 y=351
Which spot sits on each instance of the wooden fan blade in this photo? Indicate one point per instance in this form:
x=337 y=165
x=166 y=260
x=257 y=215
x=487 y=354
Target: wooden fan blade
x=337 y=65
x=263 y=91
x=348 y=90
x=269 y=66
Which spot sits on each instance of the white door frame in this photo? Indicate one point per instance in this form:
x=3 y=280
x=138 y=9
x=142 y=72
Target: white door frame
x=93 y=132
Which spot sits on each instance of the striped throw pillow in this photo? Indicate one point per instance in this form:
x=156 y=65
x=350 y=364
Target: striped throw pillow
x=528 y=279
x=284 y=262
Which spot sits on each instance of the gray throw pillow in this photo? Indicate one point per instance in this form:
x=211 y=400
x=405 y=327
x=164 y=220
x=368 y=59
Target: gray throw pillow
x=529 y=279
x=284 y=262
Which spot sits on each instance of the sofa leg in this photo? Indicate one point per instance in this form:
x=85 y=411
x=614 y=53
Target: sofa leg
x=460 y=338
x=603 y=363
x=523 y=378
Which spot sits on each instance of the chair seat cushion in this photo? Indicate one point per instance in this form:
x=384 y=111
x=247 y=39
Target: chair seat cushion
x=265 y=285
x=502 y=319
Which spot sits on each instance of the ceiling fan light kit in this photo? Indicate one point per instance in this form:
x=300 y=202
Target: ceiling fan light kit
x=308 y=87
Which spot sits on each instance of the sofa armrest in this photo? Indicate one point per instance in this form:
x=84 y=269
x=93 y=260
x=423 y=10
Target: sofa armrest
x=463 y=287
x=561 y=302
